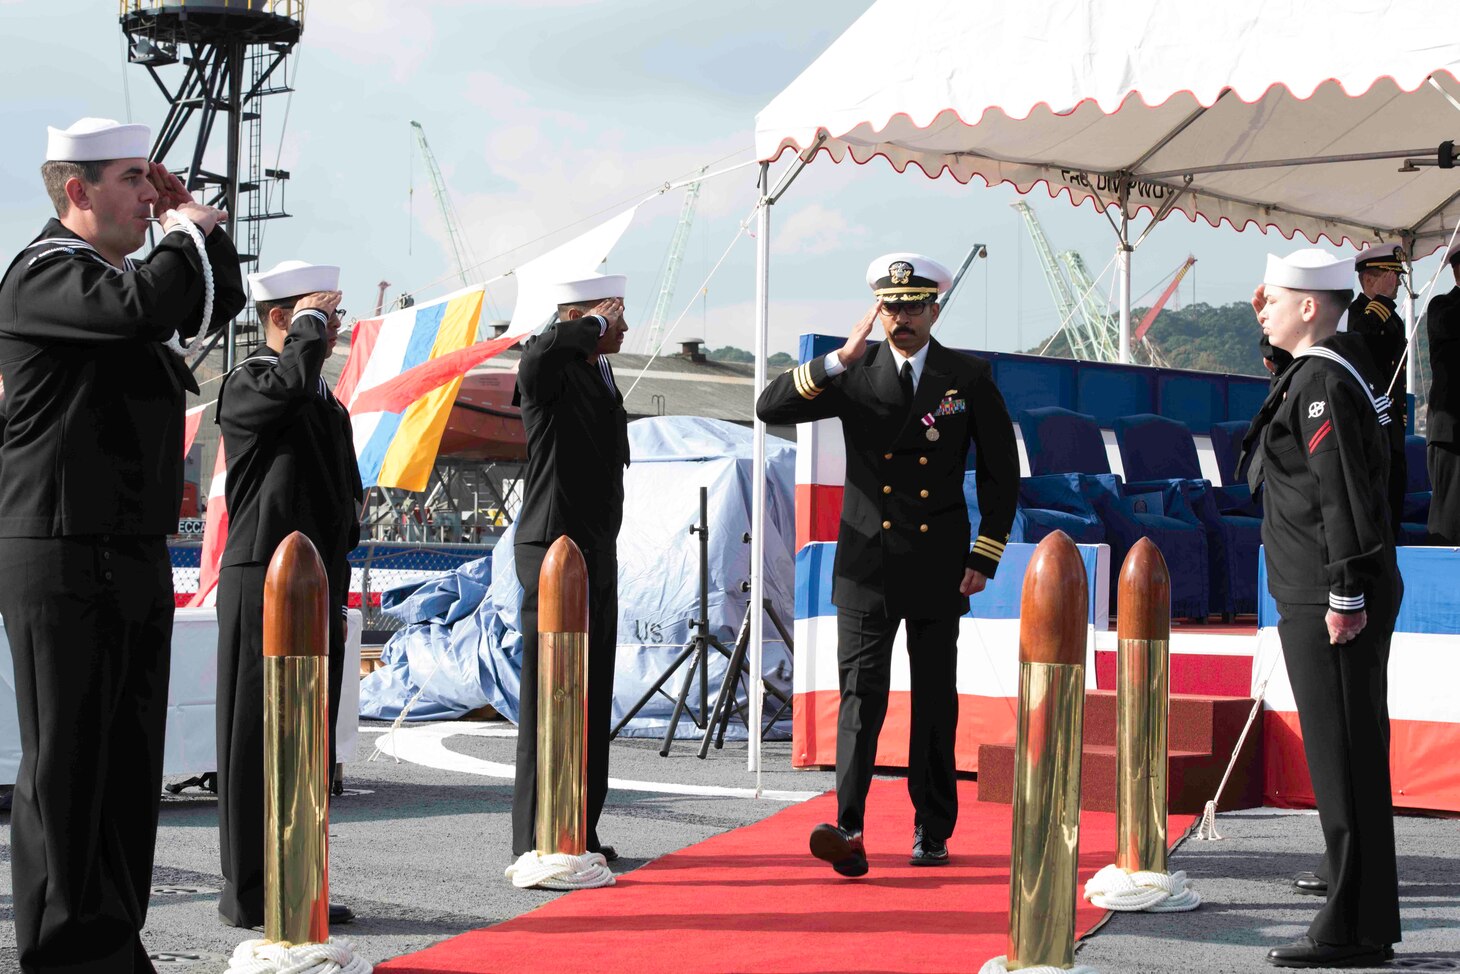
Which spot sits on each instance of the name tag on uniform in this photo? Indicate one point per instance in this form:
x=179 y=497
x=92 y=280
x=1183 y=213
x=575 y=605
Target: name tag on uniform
x=950 y=405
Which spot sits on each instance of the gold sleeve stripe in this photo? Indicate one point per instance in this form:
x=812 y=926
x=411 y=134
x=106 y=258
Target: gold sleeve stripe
x=1378 y=308
x=802 y=377
x=985 y=539
x=991 y=550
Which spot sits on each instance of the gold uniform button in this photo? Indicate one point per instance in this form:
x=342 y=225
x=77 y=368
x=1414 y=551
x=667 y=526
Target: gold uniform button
x=923 y=461
x=887 y=456
x=923 y=528
x=886 y=525
x=923 y=494
x=887 y=489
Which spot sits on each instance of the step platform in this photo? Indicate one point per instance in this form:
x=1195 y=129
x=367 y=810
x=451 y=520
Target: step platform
x=1201 y=733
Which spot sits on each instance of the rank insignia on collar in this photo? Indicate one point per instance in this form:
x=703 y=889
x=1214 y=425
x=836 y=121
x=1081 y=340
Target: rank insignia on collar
x=900 y=271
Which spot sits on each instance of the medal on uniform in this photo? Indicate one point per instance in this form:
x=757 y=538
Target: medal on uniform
x=932 y=431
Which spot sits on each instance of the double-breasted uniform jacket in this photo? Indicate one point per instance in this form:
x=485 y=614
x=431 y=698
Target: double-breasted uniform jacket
x=291 y=454
x=577 y=440
x=1325 y=462
x=93 y=400
x=1442 y=322
x=1379 y=321
x=903 y=542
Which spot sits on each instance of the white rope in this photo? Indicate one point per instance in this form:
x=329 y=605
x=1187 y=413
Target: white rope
x=1207 y=830
x=1421 y=305
x=1000 y=965
x=191 y=229
x=1112 y=888
x=396 y=724
x=560 y=870
x=271 y=957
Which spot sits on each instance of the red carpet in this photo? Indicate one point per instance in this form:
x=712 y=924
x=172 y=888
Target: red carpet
x=755 y=900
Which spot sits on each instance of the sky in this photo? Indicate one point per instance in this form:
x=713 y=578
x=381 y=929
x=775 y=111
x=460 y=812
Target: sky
x=546 y=116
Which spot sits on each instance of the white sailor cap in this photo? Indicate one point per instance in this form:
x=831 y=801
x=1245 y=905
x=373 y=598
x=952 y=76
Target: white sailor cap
x=1310 y=270
x=904 y=276
x=293 y=279
x=595 y=287
x=1381 y=257
x=96 y=140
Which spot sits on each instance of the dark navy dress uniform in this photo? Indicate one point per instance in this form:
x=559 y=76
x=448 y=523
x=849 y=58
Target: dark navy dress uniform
x=90 y=488
x=291 y=467
x=577 y=449
x=1323 y=457
x=902 y=548
x=1443 y=426
x=1379 y=322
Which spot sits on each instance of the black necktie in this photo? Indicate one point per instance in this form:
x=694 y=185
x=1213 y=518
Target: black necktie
x=905 y=378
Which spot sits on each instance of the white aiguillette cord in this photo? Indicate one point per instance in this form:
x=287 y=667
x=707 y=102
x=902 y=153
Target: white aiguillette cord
x=191 y=229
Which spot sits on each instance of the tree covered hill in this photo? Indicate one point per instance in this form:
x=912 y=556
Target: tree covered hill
x=1201 y=337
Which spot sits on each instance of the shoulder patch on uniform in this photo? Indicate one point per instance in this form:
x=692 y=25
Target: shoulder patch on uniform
x=1315 y=409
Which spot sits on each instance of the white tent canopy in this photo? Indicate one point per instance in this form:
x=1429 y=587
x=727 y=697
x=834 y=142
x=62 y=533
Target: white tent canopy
x=1329 y=118
x=1295 y=115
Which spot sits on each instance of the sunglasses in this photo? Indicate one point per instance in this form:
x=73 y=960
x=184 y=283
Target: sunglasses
x=913 y=309
x=340 y=313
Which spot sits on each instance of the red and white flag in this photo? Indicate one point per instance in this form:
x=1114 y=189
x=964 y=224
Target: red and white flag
x=215 y=535
x=192 y=419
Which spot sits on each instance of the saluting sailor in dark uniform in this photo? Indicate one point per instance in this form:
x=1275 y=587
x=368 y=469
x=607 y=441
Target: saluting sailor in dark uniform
x=911 y=410
x=577 y=449
x=90 y=488
x=291 y=467
x=1323 y=455
x=1374 y=315
x=1443 y=427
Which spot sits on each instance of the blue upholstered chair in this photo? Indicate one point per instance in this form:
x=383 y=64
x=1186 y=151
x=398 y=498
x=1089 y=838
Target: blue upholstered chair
x=1067 y=454
x=1414 y=520
x=1158 y=453
x=1233 y=496
x=1042 y=513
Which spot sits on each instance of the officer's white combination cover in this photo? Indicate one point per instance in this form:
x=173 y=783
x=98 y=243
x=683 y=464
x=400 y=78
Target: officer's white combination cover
x=97 y=140
x=293 y=279
x=593 y=288
x=903 y=267
x=1310 y=270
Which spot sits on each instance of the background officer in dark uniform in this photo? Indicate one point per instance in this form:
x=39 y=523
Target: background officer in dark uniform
x=1374 y=315
x=577 y=449
x=1330 y=561
x=1443 y=426
x=910 y=410
x=90 y=488
x=291 y=467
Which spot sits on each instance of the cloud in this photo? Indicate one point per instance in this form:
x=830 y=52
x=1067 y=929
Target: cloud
x=816 y=229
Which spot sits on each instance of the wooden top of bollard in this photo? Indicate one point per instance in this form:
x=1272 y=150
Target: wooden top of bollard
x=1054 y=608
x=1144 y=595
x=562 y=589
x=296 y=601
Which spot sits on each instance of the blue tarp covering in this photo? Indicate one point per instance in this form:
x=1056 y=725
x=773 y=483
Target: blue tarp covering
x=462 y=636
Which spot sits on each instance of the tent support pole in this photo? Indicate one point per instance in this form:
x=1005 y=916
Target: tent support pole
x=1122 y=263
x=757 y=466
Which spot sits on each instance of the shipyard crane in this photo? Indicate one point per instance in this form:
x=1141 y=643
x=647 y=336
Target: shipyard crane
x=1083 y=339
x=660 y=315
x=460 y=248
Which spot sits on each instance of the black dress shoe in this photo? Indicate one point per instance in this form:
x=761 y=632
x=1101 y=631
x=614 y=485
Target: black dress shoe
x=928 y=851
x=608 y=852
x=1310 y=883
x=340 y=913
x=1307 y=952
x=841 y=848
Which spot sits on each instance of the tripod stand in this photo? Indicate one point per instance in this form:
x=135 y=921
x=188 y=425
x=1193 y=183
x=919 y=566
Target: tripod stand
x=725 y=702
x=697 y=650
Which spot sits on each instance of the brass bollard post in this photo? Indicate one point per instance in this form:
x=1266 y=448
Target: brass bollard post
x=1142 y=706
x=296 y=745
x=1053 y=612
x=562 y=701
